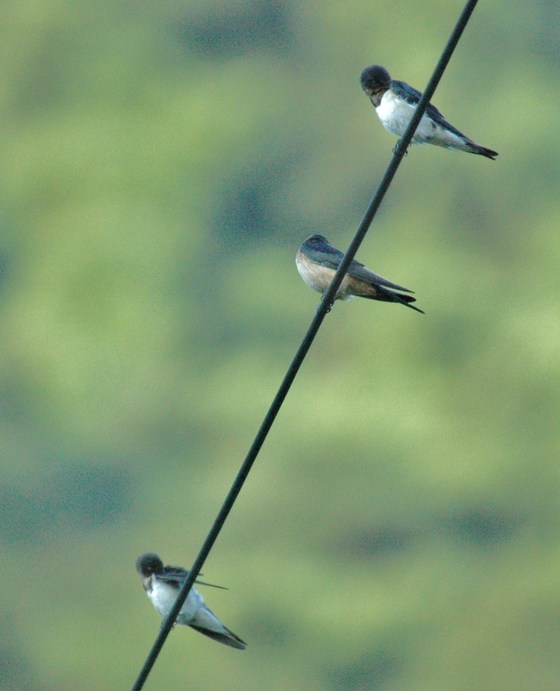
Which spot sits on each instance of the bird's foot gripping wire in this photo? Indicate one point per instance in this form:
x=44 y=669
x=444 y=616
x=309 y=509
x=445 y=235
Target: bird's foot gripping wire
x=397 y=147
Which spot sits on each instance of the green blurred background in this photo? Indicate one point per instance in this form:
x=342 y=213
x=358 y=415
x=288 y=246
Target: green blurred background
x=161 y=163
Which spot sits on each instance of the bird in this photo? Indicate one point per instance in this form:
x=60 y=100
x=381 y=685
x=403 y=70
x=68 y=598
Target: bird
x=162 y=585
x=395 y=103
x=317 y=262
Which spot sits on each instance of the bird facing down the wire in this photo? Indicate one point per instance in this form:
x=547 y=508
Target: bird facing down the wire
x=162 y=585
x=317 y=262
x=395 y=103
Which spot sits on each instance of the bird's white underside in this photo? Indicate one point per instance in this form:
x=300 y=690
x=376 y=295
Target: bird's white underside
x=193 y=611
x=395 y=115
x=163 y=598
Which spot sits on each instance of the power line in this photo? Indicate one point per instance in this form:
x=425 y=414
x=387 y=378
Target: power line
x=322 y=310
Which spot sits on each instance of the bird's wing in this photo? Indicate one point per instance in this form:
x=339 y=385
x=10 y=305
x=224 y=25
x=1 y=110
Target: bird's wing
x=206 y=622
x=175 y=575
x=211 y=585
x=330 y=257
x=362 y=273
x=326 y=256
x=412 y=96
x=406 y=92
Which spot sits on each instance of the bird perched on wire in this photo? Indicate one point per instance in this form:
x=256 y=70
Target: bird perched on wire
x=162 y=585
x=317 y=262
x=395 y=103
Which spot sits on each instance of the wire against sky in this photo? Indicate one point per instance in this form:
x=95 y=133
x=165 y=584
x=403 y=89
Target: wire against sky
x=322 y=310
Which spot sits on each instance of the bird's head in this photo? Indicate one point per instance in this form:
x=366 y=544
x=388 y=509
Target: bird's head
x=148 y=564
x=375 y=80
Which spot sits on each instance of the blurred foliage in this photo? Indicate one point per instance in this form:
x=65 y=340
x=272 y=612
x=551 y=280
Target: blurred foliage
x=161 y=163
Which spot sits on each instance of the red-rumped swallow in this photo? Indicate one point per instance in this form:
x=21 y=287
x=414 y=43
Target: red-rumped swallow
x=317 y=262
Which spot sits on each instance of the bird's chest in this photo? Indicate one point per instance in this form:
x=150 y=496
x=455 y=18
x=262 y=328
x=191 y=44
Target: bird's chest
x=395 y=114
x=314 y=274
x=163 y=598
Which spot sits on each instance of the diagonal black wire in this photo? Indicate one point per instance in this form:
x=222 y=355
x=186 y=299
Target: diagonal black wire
x=322 y=310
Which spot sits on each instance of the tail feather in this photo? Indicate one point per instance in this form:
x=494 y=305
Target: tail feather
x=481 y=150
x=206 y=622
x=228 y=638
x=389 y=296
x=406 y=300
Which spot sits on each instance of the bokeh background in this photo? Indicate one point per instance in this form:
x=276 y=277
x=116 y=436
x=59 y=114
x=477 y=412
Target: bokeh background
x=161 y=163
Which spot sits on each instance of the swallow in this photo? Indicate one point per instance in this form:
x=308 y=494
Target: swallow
x=395 y=103
x=317 y=262
x=162 y=585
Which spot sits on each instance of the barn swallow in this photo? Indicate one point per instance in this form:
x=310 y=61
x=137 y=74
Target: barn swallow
x=317 y=262
x=395 y=103
x=162 y=585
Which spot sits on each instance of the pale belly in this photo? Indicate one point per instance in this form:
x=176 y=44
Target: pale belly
x=319 y=277
x=395 y=115
x=163 y=599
